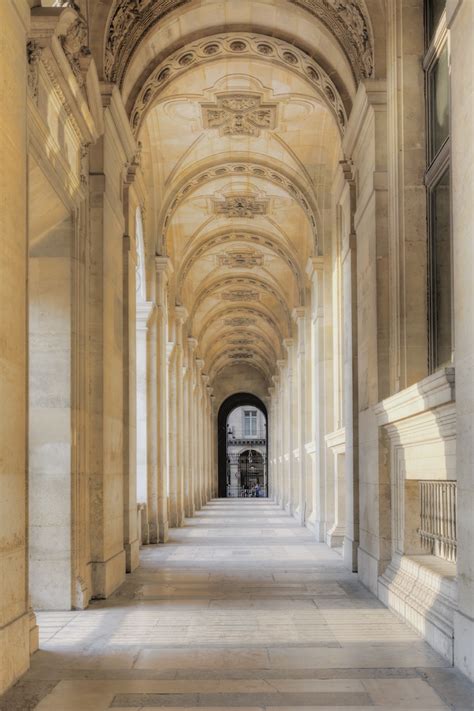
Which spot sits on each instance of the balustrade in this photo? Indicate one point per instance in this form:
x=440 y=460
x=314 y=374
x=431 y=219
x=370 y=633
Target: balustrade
x=438 y=518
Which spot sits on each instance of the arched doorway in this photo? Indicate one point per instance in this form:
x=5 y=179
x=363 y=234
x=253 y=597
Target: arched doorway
x=228 y=406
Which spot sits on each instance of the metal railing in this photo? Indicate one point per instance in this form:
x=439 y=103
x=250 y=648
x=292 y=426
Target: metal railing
x=438 y=518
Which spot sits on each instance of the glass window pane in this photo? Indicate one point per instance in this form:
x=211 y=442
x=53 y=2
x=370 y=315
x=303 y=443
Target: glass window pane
x=439 y=103
x=435 y=10
x=441 y=271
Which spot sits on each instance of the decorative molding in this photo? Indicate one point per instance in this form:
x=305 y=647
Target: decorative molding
x=253 y=46
x=240 y=259
x=74 y=44
x=240 y=295
x=349 y=21
x=431 y=392
x=33 y=55
x=239 y=321
x=336 y=441
x=257 y=170
x=242 y=114
x=242 y=206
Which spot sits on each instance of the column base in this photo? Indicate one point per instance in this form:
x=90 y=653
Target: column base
x=423 y=591
x=349 y=553
x=108 y=575
x=132 y=556
x=163 y=532
x=335 y=537
x=464 y=644
x=369 y=568
x=14 y=650
x=34 y=633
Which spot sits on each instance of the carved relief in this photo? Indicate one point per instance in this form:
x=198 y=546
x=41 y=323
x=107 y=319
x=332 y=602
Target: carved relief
x=33 y=54
x=251 y=46
x=239 y=321
x=348 y=20
x=241 y=342
x=240 y=206
x=132 y=19
x=244 y=355
x=74 y=44
x=241 y=259
x=240 y=295
x=239 y=115
x=252 y=169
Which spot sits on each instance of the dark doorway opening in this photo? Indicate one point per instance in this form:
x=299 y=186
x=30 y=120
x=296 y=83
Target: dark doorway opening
x=233 y=402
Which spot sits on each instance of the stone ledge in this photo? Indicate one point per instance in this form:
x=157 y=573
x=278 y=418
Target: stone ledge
x=423 y=591
x=435 y=390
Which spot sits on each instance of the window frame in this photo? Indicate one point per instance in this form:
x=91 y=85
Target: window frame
x=436 y=166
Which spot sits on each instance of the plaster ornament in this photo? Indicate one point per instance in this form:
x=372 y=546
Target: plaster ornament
x=33 y=54
x=239 y=115
x=130 y=20
x=239 y=321
x=240 y=295
x=240 y=206
x=74 y=44
x=241 y=259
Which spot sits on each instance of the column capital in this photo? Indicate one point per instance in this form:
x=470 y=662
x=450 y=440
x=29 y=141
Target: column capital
x=276 y=380
x=193 y=344
x=205 y=379
x=282 y=363
x=144 y=311
x=298 y=313
x=315 y=265
x=271 y=391
x=181 y=314
x=199 y=363
x=288 y=343
x=163 y=265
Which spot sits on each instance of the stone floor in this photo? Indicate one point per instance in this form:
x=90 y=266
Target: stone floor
x=241 y=610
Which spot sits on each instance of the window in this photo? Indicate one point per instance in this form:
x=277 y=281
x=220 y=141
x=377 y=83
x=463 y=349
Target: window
x=250 y=423
x=437 y=181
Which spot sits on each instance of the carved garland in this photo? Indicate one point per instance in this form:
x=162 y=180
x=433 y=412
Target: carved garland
x=258 y=171
x=242 y=45
x=349 y=21
x=131 y=19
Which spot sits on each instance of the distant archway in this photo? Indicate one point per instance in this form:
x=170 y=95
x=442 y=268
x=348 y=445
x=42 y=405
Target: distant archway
x=232 y=402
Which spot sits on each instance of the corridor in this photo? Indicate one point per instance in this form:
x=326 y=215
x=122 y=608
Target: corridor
x=241 y=609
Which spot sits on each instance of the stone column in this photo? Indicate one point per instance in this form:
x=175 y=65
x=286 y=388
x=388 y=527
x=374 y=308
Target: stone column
x=199 y=433
x=287 y=427
x=107 y=159
x=180 y=317
x=271 y=462
x=366 y=298
x=130 y=532
x=460 y=20
x=277 y=472
x=172 y=435
x=315 y=270
x=144 y=313
x=190 y=478
x=14 y=615
x=299 y=317
x=163 y=269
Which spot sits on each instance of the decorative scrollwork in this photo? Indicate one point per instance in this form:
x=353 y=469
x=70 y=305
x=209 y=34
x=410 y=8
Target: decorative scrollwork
x=249 y=45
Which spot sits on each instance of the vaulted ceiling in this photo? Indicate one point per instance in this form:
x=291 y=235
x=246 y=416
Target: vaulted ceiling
x=240 y=108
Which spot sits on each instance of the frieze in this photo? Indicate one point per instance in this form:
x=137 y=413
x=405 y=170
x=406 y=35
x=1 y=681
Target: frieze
x=253 y=46
x=74 y=44
x=240 y=114
x=240 y=206
x=241 y=259
x=240 y=295
x=130 y=20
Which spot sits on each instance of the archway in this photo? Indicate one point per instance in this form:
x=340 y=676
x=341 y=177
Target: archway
x=230 y=404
